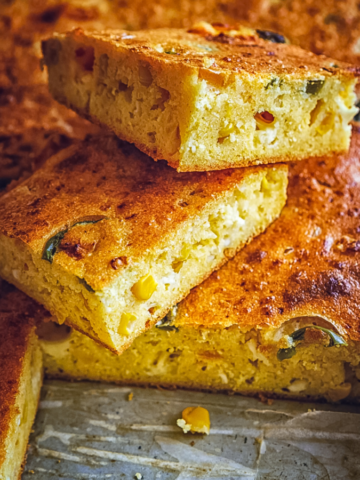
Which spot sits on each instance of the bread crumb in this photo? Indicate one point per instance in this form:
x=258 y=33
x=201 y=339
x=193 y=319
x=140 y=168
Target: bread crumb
x=182 y=424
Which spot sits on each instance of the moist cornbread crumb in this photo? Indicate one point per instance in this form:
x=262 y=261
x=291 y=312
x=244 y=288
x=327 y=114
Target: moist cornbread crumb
x=305 y=264
x=206 y=98
x=20 y=378
x=229 y=332
x=238 y=359
x=115 y=240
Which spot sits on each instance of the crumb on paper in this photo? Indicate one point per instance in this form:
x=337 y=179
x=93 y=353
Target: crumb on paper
x=183 y=425
x=138 y=476
x=265 y=400
x=130 y=396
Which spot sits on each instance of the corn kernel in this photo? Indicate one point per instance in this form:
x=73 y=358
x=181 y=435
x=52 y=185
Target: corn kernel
x=326 y=124
x=316 y=111
x=177 y=265
x=265 y=184
x=185 y=252
x=126 y=318
x=198 y=419
x=144 y=288
x=225 y=131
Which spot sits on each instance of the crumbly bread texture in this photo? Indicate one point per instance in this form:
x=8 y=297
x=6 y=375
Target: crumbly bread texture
x=238 y=359
x=305 y=264
x=115 y=240
x=20 y=377
x=207 y=98
x=226 y=335
x=330 y=28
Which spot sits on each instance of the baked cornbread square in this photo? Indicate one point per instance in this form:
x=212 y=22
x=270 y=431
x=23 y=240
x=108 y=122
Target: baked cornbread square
x=20 y=378
x=208 y=98
x=281 y=318
x=108 y=241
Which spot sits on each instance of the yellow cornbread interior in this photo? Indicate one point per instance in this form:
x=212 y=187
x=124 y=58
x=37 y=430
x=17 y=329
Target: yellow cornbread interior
x=194 y=119
x=147 y=289
x=23 y=412
x=232 y=359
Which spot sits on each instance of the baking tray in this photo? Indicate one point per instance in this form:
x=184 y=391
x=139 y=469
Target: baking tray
x=93 y=431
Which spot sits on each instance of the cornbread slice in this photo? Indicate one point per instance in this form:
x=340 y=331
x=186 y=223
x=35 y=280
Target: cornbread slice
x=238 y=359
x=249 y=328
x=108 y=241
x=208 y=98
x=20 y=378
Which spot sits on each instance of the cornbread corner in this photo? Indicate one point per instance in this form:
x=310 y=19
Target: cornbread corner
x=115 y=240
x=280 y=319
x=207 y=98
x=20 y=378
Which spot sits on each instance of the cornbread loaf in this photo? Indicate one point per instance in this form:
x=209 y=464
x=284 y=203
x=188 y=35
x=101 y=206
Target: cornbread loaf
x=108 y=241
x=207 y=98
x=253 y=326
x=20 y=377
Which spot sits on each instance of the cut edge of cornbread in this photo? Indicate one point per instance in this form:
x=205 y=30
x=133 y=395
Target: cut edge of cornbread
x=241 y=360
x=194 y=116
x=21 y=411
x=129 y=305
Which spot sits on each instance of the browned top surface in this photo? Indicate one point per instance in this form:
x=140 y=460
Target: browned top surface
x=330 y=27
x=140 y=204
x=306 y=263
x=18 y=314
x=232 y=50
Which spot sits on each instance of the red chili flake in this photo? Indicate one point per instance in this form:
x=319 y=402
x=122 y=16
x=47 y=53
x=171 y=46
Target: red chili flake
x=265 y=117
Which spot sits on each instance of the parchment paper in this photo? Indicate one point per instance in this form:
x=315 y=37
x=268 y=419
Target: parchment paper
x=92 y=431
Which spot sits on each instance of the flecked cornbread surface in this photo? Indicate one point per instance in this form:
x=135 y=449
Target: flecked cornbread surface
x=115 y=240
x=20 y=378
x=305 y=264
x=227 y=334
x=206 y=98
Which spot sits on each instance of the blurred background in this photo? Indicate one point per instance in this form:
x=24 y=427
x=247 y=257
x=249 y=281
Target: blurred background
x=33 y=126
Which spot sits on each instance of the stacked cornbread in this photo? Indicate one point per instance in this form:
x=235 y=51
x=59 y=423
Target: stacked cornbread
x=112 y=243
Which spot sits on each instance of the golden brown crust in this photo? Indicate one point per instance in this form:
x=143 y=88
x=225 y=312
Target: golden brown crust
x=330 y=28
x=231 y=54
x=18 y=317
x=305 y=264
x=139 y=205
